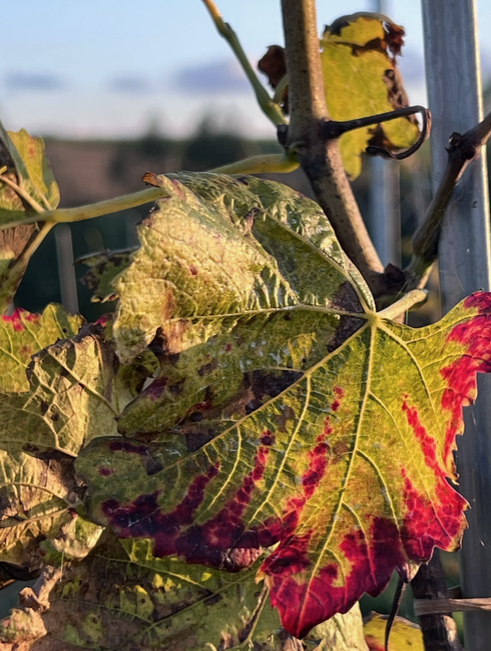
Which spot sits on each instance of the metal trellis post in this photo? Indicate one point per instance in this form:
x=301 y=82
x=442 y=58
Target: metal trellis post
x=455 y=100
x=384 y=214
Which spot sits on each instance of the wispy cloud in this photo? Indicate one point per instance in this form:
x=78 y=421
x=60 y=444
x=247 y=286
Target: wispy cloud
x=223 y=76
x=130 y=84
x=34 y=82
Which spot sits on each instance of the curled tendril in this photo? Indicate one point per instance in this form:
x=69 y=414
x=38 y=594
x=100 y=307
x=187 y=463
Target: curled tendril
x=372 y=150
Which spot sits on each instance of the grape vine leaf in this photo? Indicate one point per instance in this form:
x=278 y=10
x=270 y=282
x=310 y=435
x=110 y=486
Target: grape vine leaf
x=269 y=429
x=345 y=468
x=361 y=78
x=287 y=454
x=68 y=401
x=219 y=246
x=103 y=269
x=37 y=494
x=28 y=167
x=77 y=388
x=404 y=635
x=25 y=178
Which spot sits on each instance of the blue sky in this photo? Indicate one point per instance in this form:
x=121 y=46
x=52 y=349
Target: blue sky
x=109 y=68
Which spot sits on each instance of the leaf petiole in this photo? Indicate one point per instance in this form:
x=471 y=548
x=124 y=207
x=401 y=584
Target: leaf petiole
x=68 y=215
x=409 y=300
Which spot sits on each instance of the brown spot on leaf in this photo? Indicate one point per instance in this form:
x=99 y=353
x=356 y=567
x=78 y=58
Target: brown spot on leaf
x=196 y=440
x=272 y=383
x=347 y=326
x=206 y=369
x=347 y=299
x=43 y=407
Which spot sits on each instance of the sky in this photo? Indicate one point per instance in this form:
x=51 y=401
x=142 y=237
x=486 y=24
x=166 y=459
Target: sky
x=116 y=68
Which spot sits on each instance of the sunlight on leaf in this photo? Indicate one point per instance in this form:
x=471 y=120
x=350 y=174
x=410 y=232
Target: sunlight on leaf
x=220 y=246
x=404 y=635
x=35 y=496
x=361 y=78
x=23 y=334
x=28 y=167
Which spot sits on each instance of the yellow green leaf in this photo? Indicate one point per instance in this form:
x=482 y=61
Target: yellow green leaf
x=361 y=78
x=404 y=635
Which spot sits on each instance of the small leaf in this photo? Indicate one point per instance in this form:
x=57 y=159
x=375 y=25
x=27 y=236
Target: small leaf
x=381 y=410
x=361 y=78
x=66 y=405
x=104 y=268
x=74 y=541
x=23 y=334
x=27 y=166
x=74 y=389
x=404 y=635
x=35 y=497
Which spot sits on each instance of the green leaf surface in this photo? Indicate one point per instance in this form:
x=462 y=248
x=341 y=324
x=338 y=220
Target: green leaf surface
x=23 y=334
x=218 y=248
x=74 y=389
x=344 y=467
x=361 y=78
x=28 y=167
x=36 y=493
x=103 y=269
x=404 y=635
x=69 y=401
x=27 y=187
x=127 y=600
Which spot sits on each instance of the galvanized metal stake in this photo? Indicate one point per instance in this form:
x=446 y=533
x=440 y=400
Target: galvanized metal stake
x=455 y=100
x=384 y=220
x=66 y=271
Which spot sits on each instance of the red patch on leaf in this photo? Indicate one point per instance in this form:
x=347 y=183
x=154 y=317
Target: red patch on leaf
x=228 y=348
x=317 y=462
x=305 y=601
x=105 y=472
x=339 y=393
x=223 y=541
x=155 y=390
x=17 y=317
x=429 y=522
x=427 y=525
x=268 y=438
x=104 y=320
x=373 y=644
x=475 y=337
x=428 y=444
